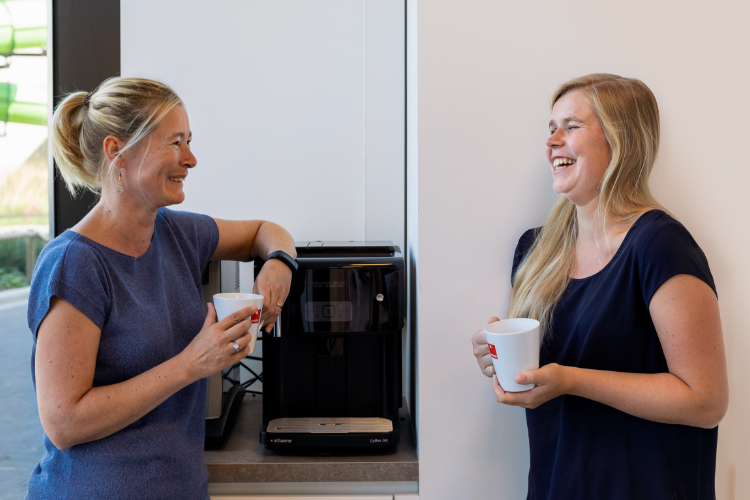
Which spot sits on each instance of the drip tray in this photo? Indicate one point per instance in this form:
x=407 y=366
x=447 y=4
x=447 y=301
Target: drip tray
x=329 y=425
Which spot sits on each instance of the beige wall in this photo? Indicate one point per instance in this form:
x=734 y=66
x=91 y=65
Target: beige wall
x=486 y=70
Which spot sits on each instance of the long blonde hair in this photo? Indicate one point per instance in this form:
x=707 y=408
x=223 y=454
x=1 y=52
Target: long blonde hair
x=629 y=115
x=127 y=108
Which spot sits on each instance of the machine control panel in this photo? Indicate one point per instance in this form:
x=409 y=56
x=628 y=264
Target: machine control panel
x=319 y=312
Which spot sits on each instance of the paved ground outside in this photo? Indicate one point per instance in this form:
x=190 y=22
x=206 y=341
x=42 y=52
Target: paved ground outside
x=20 y=430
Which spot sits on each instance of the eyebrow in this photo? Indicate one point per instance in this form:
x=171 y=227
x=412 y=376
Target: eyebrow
x=567 y=119
x=180 y=135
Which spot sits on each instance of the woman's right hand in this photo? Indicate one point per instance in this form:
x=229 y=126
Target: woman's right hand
x=482 y=351
x=74 y=411
x=212 y=349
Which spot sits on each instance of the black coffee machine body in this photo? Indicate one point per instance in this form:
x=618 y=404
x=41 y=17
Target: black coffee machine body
x=332 y=369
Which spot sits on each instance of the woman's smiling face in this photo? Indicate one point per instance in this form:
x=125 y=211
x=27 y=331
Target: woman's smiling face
x=577 y=149
x=158 y=177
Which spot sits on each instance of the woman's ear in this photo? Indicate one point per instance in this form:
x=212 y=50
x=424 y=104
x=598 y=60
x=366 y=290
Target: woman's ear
x=112 y=148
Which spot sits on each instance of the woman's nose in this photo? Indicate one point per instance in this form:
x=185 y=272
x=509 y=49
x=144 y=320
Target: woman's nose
x=554 y=140
x=189 y=159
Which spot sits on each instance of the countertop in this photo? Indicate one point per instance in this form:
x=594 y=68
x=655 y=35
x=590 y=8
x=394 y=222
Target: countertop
x=243 y=459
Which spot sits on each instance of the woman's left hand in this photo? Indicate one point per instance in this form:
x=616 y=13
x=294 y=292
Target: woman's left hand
x=273 y=282
x=551 y=380
x=244 y=239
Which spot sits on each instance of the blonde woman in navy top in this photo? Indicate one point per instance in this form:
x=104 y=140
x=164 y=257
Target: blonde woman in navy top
x=632 y=381
x=121 y=345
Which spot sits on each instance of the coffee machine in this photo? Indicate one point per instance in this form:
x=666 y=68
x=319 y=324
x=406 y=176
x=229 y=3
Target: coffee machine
x=332 y=366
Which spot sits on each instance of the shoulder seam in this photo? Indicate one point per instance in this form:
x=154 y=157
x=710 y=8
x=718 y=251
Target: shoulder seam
x=657 y=226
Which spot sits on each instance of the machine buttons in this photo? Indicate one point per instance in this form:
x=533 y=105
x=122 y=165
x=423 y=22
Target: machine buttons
x=326 y=312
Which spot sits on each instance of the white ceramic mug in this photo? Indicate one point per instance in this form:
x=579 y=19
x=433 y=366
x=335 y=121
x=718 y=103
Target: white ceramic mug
x=514 y=348
x=228 y=303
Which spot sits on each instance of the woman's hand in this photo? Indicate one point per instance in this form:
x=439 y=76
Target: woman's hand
x=74 y=411
x=694 y=392
x=551 y=380
x=482 y=351
x=244 y=240
x=273 y=282
x=212 y=349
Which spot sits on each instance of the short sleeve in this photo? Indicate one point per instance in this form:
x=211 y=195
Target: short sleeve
x=525 y=242
x=669 y=250
x=197 y=232
x=73 y=272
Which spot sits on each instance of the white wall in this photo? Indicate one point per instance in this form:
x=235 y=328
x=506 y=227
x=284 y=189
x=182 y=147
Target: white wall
x=486 y=71
x=296 y=108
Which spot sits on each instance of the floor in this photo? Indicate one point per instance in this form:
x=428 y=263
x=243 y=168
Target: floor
x=20 y=429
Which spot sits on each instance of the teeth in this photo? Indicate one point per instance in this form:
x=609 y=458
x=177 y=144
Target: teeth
x=176 y=179
x=562 y=162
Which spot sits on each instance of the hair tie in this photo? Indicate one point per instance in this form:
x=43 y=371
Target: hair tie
x=87 y=98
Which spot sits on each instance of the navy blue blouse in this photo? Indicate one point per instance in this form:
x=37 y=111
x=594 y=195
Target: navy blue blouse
x=581 y=449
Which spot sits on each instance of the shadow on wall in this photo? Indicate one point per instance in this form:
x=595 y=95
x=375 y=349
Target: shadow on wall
x=413 y=331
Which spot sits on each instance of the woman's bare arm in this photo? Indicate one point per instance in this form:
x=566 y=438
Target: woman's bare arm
x=73 y=411
x=244 y=240
x=695 y=392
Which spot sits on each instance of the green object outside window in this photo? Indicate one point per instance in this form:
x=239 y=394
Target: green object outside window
x=12 y=38
x=20 y=112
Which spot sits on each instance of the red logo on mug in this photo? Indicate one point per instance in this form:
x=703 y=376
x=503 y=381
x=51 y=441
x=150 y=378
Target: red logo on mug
x=493 y=352
x=255 y=318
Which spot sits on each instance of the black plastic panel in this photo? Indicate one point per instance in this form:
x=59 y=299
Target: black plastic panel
x=85 y=52
x=338 y=352
x=346 y=248
x=354 y=299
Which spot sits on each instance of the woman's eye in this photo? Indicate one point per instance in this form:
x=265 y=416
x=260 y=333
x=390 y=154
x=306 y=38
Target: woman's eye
x=572 y=127
x=552 y=131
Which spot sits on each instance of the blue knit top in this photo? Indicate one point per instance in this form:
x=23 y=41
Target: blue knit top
x=148 y=309
x=584 y=450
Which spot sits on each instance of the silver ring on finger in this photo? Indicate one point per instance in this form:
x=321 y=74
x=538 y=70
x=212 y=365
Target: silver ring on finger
x=236 y=347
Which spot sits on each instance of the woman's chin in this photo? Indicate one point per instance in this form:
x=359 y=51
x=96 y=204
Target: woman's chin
x=571 y=196
x=175 y=196
x=561 y=189
x=176 y=200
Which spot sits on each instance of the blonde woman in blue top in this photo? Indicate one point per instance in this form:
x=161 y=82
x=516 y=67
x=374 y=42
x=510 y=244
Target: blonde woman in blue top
x=121 y=346
x=633 y=378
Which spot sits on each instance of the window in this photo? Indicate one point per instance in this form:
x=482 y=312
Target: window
x=24 y=200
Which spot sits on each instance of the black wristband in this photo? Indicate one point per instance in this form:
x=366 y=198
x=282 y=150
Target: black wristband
x=285 y=258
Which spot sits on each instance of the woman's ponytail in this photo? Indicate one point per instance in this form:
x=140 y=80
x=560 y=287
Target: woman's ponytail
x=67 y=122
